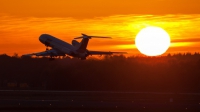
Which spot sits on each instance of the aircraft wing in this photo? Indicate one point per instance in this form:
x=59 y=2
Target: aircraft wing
x=104 y=53
x=51 y=52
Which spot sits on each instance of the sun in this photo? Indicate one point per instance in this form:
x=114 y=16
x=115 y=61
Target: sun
x=152 y=41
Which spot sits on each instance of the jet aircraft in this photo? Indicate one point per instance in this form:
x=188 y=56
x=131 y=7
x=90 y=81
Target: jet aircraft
x=62 y=48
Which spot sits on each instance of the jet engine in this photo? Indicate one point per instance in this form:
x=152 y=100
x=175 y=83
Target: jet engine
x=75 y=43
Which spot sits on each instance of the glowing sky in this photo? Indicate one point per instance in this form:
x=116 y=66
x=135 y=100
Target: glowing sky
x=23 y=21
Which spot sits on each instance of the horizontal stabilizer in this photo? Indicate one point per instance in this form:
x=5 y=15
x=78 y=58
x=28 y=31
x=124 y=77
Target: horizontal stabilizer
x=89 y=37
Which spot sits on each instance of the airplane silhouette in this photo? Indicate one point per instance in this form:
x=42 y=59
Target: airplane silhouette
x=61 y=48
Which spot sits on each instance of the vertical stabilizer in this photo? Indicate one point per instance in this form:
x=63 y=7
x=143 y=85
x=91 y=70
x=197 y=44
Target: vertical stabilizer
x=85 y=40
x=83 y=45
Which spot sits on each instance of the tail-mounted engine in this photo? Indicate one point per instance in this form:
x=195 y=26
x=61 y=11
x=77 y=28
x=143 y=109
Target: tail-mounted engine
x=75 y=43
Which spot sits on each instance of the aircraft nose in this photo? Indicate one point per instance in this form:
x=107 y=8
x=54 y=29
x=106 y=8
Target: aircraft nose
x=42 y=38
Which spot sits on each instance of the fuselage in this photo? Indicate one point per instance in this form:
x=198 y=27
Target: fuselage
x=59 y=45
x=62 y=48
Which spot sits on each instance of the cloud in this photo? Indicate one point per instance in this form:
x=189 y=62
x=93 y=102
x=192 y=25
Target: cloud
x=187 y=40
x=122 y=28
x=96 y=8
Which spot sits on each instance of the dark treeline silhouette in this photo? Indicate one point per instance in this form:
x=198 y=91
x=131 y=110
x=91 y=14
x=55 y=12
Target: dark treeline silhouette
x=171 y=73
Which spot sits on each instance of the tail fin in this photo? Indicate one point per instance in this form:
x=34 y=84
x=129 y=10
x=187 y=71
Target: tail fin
x=85 y=40
x=83 y=45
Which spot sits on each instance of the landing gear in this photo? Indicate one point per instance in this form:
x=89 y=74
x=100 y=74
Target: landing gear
x=52 y=57
x=47 y=48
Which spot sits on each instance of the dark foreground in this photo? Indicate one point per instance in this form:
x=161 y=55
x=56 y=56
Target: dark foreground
x=81 y=101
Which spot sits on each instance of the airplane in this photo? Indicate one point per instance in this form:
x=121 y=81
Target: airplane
x=62 y=48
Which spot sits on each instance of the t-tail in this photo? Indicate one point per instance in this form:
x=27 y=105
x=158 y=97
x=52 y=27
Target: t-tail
x=85 y=40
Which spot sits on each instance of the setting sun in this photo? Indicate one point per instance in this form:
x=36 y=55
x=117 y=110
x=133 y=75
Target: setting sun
x=152 y=41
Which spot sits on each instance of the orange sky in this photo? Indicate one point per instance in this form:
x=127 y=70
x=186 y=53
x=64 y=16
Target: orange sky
x=22 y=22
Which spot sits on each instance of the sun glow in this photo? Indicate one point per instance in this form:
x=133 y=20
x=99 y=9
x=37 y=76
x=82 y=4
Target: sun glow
x=14 y=31
x=152 y=41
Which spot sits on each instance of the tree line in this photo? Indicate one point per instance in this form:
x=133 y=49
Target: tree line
x=171 y=73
